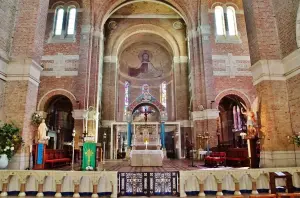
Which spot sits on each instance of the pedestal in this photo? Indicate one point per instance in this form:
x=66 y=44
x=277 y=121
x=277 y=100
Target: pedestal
x=40 y=151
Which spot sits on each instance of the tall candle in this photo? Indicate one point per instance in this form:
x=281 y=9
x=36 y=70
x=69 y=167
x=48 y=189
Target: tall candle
x=30 y=148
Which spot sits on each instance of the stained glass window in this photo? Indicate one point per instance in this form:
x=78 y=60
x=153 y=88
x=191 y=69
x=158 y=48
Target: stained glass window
x=71 y=21
x=232 y=29
x=126 y=98
x=163 y=94
x=59 y=21
x=220 y=23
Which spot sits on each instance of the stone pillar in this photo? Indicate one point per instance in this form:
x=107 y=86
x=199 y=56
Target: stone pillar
x=269 y=77
x=109 y=88
x=181 y=88
x=23 y=71
x=78 y=115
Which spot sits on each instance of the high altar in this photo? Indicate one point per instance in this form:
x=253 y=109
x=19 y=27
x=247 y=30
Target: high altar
x=147 y=139
x=146 y=146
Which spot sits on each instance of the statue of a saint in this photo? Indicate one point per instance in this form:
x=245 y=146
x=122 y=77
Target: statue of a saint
x=42 y=133
x=251 y=121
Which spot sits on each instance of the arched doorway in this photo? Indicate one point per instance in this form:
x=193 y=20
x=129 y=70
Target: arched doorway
x=232 y=121
x=59 y=121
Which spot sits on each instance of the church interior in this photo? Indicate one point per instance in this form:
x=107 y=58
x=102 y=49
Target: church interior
x=150 y=98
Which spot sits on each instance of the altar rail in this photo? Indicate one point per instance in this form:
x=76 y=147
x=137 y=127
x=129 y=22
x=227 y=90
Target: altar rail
x=232 y=181
x=85 y=183
x=58 y=183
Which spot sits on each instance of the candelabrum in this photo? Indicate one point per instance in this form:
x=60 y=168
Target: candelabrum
x=104 y=140
x=73 y=148
x=205 y=137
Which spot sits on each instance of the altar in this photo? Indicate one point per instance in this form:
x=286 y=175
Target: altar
x=146 y=157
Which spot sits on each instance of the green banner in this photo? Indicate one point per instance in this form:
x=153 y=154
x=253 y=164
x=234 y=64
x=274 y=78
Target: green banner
x=89 y=155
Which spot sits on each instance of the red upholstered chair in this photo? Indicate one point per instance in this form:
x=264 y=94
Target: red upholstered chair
x=215 y=159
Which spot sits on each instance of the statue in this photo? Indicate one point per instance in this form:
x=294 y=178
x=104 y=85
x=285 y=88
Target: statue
x=251 y=121
x=42 y=133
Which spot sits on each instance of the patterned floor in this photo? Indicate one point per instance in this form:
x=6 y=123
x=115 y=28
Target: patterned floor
x=169 y=165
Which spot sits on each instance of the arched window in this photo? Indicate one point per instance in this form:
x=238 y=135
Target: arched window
x=71 y=21
x=163 y=94
x=59 y=19
x=231 y=19
x=126 y=96
x=219 y=18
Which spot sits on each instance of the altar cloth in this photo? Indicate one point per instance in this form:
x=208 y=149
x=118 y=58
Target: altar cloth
x=146 y=157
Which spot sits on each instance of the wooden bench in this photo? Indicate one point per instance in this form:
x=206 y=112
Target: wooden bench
x=263 y=196
x=215 y=159
x=291 y=195
x=56 y=158
x=237 y=157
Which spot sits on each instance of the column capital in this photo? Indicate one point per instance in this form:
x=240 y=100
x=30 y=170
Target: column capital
x=267 y=70
x=180 y=59
x=78 y=114
x=110 y=59
x=25 y=69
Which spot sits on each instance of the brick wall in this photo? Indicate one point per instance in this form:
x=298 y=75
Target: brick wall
x=29 y=31
x=293 y=85
x=286 y=15
x=7 y=15
x=262 y=30
x=242 y=83
x=75 y=84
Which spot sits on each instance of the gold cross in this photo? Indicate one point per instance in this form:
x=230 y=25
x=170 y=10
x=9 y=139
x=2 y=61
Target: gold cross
x=89 y=153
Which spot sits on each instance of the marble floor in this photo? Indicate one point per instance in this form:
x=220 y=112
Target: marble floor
x=169 y=165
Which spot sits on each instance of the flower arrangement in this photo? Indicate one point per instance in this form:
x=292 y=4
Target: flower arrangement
x=295 y=139
x=10 y=139
x=36 y=119
x=89 y=168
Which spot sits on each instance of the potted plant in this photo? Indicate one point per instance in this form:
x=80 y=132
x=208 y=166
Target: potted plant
x=10 y=142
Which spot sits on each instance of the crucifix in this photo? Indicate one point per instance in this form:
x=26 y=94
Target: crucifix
x=89 y=153
x=146 y=113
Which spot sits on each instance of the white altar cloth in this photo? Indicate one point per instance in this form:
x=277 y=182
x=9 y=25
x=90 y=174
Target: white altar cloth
x=146 y=157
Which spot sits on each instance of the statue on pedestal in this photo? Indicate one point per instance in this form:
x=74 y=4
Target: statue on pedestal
x=251 y=122
x=42 y=133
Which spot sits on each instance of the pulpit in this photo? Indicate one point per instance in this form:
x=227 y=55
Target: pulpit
x=89 y=155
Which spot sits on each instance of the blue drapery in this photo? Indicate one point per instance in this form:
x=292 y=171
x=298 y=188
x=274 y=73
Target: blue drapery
x=40 y=153
x=162 y=134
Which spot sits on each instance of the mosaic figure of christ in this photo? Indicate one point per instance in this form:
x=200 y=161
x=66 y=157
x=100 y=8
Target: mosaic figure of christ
x=146 y=69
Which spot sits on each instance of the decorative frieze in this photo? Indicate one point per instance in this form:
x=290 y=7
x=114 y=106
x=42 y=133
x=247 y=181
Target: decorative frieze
x=60 y=65
x=229 y=65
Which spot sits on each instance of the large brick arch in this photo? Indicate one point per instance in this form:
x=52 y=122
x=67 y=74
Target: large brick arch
x=238 y=93
x=55 y=92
